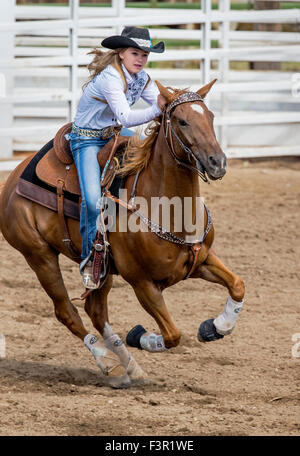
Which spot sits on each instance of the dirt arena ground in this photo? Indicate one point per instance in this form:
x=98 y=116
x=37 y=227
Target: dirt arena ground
x=246 y=384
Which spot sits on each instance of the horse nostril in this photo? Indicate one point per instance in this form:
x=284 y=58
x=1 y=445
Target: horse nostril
x=212 y=161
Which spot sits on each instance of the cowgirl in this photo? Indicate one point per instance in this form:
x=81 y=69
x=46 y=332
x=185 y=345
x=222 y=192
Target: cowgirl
x=117 y=81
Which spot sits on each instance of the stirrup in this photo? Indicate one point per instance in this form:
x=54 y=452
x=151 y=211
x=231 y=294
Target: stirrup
x=85 y=262
x=87 y=276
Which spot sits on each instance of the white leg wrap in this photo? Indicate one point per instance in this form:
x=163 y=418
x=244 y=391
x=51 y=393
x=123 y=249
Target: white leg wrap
x=152 y=342
x=97 y=349
x=94 y=345
x=225 y=322
x=108 y=363
x=116 y=345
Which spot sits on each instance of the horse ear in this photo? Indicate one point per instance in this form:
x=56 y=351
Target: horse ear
x=165 y=92
x=205 y=89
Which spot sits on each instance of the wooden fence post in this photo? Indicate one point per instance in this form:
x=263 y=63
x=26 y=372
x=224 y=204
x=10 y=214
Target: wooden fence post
x=7 y=8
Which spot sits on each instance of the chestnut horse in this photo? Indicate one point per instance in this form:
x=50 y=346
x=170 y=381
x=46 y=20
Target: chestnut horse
x=169 y=163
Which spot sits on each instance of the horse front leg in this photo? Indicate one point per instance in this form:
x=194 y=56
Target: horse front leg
x=47 y=269
x=213 y=270
x=150 y=297
x=96 y=308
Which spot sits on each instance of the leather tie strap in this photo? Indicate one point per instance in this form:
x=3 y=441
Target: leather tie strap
x=61 y=216
x=119 y=201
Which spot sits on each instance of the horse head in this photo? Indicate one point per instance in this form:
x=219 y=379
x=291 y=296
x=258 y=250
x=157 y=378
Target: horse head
x=191 y=124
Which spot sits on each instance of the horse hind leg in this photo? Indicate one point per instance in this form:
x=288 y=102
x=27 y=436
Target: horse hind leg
x=150 y=297
x=96 y=308
x=46 y=267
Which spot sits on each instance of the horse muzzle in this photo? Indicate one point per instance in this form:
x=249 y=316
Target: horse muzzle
x=216 y=167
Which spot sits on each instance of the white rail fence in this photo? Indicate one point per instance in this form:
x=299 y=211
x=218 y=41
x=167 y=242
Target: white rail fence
x=43 y=54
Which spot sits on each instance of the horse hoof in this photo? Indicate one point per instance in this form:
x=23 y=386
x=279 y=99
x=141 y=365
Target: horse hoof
x=115 y=375
x=136 y=373
x=134 y=335
x=207 y=331
x=118 y=382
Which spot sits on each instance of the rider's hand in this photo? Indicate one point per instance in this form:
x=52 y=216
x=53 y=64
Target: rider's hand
x=161 y=101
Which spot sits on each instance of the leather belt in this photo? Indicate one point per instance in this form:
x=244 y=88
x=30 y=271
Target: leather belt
x=103 y=133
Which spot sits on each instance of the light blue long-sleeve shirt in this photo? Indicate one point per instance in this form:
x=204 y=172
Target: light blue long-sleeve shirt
x=109 y=86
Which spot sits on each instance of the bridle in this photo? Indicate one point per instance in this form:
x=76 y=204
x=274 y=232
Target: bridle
x=170 y=133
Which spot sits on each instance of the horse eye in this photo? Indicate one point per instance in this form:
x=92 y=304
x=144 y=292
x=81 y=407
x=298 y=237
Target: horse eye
x=182 y=123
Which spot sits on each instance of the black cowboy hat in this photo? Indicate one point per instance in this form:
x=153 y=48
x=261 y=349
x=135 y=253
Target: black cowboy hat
x=133 y=37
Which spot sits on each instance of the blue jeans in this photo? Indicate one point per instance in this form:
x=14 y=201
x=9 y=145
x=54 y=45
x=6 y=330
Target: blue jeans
x=84 y=150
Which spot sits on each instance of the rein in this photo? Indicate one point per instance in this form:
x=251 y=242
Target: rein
x=169 y=131
x=153 y=226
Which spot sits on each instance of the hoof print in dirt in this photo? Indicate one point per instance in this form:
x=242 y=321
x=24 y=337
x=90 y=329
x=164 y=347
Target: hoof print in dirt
x=207 y=331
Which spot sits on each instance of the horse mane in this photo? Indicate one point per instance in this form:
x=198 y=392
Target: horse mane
x=138 y=151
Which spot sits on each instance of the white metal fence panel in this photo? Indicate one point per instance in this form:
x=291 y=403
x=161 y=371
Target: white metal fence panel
x=44 y=51
x=6 y=53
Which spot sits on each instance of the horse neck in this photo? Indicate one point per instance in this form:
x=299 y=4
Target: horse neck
x=164 y=177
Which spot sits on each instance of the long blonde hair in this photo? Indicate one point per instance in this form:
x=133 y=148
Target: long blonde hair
x=102 y=60
x=139 y=151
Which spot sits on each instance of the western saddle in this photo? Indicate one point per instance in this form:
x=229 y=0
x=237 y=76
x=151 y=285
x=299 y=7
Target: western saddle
x=57 y=169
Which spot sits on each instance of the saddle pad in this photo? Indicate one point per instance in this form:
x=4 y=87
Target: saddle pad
x=46 y=198
x=31 y=187
x=29 y=173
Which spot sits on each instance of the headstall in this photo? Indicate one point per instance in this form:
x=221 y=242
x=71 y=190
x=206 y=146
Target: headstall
x=186 y=97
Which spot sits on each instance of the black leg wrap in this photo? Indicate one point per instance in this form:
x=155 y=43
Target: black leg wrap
x=134 y=335
x=207 y=331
